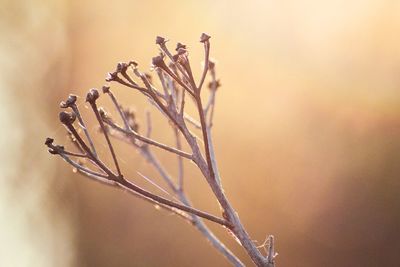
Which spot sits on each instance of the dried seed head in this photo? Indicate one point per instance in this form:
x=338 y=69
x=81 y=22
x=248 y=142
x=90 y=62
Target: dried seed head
x=158 y=61
x=92 y=95
x=204 y=37
x=214 y=85
x=160 y=40
x=69 y=102
x=111 y=76
x=121 y=67
x=106 y=89
x=67 y=118
x=180 y=45
x=49 y=141
x=211 y=64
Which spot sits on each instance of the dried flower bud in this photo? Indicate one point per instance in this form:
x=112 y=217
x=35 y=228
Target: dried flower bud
x=69 y=102
x=92 y=95
x=111 y=76
x=106 y=89
x=180 y=45
x=49 y=141
x=158 y=61
x=121 y=67
x=204 y=38
x=211 y=64
x=214 y=85
x=67 y=118
x=160 y=40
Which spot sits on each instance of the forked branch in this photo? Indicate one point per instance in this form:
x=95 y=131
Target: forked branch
x=176 y=78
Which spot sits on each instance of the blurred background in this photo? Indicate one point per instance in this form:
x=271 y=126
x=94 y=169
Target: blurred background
x=307 y=131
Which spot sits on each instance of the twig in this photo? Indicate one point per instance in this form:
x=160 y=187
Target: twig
x=148 y=140
x=91 y=98
x=205 y=40
x=71 y=103
x=174 y=78
x=180 y=160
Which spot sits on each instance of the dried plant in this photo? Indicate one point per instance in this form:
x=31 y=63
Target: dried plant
x=177 y=82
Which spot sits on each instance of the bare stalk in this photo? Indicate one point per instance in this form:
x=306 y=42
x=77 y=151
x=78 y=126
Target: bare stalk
x=176 y=79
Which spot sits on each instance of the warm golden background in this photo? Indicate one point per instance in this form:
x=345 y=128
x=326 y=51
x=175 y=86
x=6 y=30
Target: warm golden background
x=307 y=130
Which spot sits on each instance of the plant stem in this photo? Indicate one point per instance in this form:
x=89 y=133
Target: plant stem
x=229 y=212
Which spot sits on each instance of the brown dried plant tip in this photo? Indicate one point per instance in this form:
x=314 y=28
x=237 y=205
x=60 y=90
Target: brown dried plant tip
x=121 y=67
x=214 y=85
x=111 y=76
x=158 y=61
x=180 y=45
x=105 y=89
x=160 y=40
x=92 y=96
x=67 y=118
x=211 y=64
x=49 y=141
x=204 y=37
x=69 y=102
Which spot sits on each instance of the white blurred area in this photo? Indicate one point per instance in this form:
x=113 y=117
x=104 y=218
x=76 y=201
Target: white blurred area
x=35 y=228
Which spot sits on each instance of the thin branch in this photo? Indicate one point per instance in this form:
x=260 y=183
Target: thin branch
x=83 y=145
x=83 y=126
x=180 y=160
x=197 y=222
x=182 y=106
x=164 y=48
x=204 y=39
x=106 y=181
x=104 y=130
x=192 y=121
x=82 y=168
x=149 y=141
x=149 y=125
x=132 y=187
x=117 y=106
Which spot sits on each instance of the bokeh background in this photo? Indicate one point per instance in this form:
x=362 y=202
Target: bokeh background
x=307 y=130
